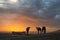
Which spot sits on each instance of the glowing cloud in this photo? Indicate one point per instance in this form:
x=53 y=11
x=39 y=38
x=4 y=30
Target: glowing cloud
x=29 y=12
x=13 y=1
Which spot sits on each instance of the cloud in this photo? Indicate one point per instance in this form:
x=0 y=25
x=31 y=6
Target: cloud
x=40 y=8
x=48 y=10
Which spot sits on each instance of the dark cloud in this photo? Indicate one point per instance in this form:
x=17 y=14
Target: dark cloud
x=41 y=8
x=37 y=9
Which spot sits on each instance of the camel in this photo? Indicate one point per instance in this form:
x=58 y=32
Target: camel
x=27 y=30
x=38 y=29
x=44 y=29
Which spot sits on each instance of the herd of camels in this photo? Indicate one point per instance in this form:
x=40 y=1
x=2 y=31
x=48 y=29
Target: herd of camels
x=39 y=30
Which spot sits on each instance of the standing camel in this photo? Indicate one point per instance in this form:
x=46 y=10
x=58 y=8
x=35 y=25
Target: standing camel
x=27 y=30
x=38 y=29
x=44 y=29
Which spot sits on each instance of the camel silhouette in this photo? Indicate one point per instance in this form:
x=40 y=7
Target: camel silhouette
x=38 y=29
x=44 y=29
x=27 y=30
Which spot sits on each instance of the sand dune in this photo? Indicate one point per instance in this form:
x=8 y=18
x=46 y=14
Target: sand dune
x=49 y=36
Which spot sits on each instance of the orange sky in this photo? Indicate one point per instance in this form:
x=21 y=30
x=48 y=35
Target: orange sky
x=20 y=24
x=16 y=15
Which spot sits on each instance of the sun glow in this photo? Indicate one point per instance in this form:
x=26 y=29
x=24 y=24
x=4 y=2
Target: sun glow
x=9 y=24
x=13 y=0
x=13 y=27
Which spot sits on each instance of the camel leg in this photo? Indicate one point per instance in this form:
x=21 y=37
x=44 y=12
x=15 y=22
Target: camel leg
x=44 y=31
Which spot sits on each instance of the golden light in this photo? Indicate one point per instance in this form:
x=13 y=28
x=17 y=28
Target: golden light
x=13 y=0
x=9 y=24
x=14 y=29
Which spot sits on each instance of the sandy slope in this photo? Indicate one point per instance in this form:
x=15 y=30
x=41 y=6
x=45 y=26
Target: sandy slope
x=49 y=36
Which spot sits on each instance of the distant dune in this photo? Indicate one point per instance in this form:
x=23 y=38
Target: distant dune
x=49 y=36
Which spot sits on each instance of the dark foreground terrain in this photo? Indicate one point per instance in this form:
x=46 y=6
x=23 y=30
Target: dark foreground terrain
x=48 y=36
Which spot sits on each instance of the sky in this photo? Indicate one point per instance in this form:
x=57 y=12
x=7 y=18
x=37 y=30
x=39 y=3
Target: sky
x=16 y=15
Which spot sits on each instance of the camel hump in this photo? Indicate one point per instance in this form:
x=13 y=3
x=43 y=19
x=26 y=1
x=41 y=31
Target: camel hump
x=43 y=28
